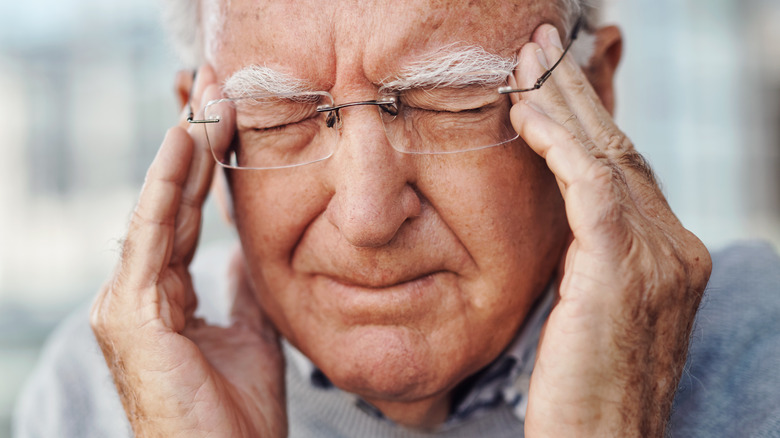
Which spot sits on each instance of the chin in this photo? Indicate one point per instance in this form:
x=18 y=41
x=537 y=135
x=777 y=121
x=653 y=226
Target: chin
x=393 y=363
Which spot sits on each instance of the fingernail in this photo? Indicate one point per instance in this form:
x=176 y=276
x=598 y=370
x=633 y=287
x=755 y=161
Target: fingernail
x=555 y=38
x=542 y=59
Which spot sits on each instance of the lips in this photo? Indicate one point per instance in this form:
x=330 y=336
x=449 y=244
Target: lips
x=397 y=286
x=387 y=304
x=380 y=278
x=378 y=285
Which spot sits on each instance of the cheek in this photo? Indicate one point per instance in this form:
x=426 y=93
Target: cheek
x=258 y=209
x=273 y=208
x=505 y=208
x=272 y=211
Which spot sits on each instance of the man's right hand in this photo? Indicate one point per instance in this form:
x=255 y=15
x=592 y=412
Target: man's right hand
x=176 y=375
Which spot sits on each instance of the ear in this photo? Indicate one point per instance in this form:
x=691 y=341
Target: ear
x=603 y=64
x=183 y=87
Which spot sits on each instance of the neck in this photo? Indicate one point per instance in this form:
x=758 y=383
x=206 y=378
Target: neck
x=426 y=414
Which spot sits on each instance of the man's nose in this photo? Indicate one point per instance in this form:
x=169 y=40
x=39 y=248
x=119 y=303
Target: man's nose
x=373 y=194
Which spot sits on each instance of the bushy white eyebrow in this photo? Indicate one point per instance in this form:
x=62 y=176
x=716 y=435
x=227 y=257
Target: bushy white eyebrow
x=454 y=65
x=460 y=65
x=256 y=79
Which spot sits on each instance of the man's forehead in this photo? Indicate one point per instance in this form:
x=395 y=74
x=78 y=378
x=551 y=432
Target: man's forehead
x=351 y=41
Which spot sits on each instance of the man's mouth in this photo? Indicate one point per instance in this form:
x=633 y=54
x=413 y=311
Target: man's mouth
x=380 y=282
x=383 y=301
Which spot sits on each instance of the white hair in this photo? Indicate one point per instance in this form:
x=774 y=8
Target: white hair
x=454 y=65
x=256 y=79
x=182 y=20
x=589 y=10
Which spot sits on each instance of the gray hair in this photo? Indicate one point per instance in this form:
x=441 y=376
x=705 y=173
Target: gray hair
x=182 y=21
x=589 y=10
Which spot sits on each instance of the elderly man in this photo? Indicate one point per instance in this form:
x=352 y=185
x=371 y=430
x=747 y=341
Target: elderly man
x=438 y=218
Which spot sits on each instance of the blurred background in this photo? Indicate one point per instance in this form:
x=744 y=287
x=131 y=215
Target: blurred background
x=86 y=94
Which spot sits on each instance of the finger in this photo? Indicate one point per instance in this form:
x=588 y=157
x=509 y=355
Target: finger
x=220 y=113
x=599 y=126
x=201 y=169
x=150 y=236
x=160 y=224
x=202 y=78
x=564 y=153
x=593 y=199
x=581 y=97
x=533 y=63
x=194 y=193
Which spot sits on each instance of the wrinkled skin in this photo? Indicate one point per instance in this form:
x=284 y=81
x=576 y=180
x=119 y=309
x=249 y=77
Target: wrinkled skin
x=398 y=275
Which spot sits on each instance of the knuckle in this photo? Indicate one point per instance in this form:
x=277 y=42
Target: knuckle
x=618 y=177
x=636 y=162
x=600 y=173
x=571 y=137
x=140 y=217
x=602 y=176
x=594 y=150
x=192 y=201
x=697 y=262
x=614 y=142
x=578 y=85
x=684 y=270
x=673 y=274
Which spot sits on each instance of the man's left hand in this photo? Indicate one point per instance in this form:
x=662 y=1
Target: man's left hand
x=615 y=344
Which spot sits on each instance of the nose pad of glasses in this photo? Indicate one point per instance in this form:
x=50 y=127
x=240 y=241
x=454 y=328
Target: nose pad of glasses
x=333 y=119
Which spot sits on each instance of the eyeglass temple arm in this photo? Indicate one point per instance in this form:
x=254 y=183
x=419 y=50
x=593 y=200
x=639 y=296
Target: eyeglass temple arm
x=190 y=115
x=542 y=79
x=190 y=119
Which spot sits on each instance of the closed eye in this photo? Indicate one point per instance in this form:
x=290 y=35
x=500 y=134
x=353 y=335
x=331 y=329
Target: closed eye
x=275 y=128
x=452 y=109
x=469 y=100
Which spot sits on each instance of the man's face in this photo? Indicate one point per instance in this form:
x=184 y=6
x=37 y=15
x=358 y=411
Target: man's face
x=397 y=275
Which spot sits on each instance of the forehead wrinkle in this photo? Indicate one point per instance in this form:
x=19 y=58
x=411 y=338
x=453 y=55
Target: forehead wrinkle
x=258 y=79
x=453 y=65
